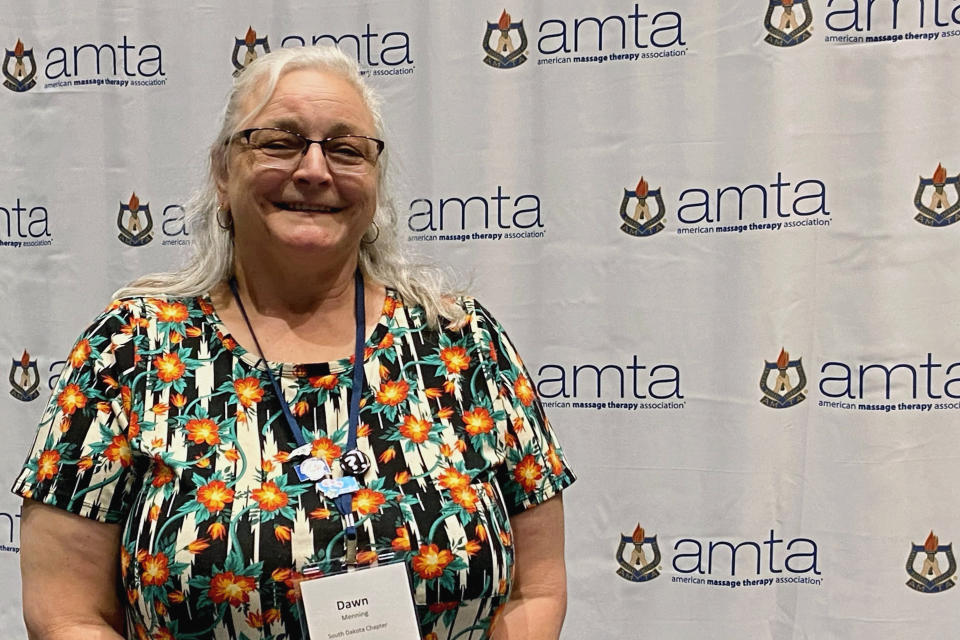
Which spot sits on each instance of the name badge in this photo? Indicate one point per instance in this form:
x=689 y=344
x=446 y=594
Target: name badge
x=373 y=603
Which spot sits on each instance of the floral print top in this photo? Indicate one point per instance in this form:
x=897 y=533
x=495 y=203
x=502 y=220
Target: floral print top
x=161 y=422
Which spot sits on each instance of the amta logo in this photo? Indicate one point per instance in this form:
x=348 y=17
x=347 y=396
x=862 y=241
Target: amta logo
x=942 y=208
x=505 y=54
x=931 y=578
x=18 y=78
x=24 y=378
x=135 y=223
x=386 y=54
x=119 y=65
x=788 y=22
x=729 y=209
x=718 y=561
x=22 y=226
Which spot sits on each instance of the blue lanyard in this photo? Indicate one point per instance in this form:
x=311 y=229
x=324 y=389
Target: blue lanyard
x=343 y=501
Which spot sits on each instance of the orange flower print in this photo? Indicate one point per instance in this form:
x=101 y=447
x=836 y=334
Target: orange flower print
x=177 y=597
x=367 y=501
x=84 y=463
x=48 y=464
x=455 y=358
x=270 y=497
x=363 y=430
x=79 y=354
x=178 y=400
x=366 y=557
x=450 y=478
x=440 y=607
x=119 y=450
x=401 y=477
x=493 y=352
x=393 y=393
x=328 y=382
x=214 y=495
x=528 y=473
x=415 y=429
x=431 y=561
x=227 y=587
x=282 y=533
x=194 y=332
x=248 y=391
x=162 y=633
x=523 y=390
x=444 y=413
x=386 y=342
x=198 y=545
x=154 y=513
x=325 y=448
x=446 y=450
x=481 y=532
x=175 y=337
x=466 y=497
x=300 y=408
x=255 y=619
x=556 y=467
x=402 y=541
x=389 y=306
x=477 y=421
x=232 y=454
x=162 y=473
x=159 y=409
x=203 y=431
x=216 y=531
x=271 y=615
x=169 y=367
x=387 y=455
x=433 y=392
x=133 y=425
x=154 y=570
x=472 y=547
x=171 y=311
x=71 y=399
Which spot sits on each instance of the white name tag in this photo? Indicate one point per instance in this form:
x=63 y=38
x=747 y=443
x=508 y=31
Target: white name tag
x=375 y=603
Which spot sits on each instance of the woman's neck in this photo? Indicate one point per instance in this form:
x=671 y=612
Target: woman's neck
x=298 y=316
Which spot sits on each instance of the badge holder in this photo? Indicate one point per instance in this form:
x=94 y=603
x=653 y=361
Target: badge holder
x=373 y=602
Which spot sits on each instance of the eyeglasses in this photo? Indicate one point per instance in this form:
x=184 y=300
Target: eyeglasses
x=281 y=149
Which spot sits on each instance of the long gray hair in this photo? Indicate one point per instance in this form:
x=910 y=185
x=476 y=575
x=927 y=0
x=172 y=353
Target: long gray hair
x=381 y=256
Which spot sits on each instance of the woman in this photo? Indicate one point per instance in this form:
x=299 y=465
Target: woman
x=204 y=494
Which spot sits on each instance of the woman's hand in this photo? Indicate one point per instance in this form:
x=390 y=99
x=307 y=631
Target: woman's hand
x=69 y=566
x=538 y=602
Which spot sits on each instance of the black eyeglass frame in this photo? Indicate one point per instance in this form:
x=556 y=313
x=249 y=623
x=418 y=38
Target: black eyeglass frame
x=246 y=133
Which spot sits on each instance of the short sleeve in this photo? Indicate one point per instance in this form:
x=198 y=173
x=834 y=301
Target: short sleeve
x=535 y=469
x=82 y=460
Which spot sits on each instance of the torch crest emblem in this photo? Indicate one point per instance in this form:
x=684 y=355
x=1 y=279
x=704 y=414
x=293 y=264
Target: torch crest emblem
x=931 y=578
x=24 y=378
x=135 y=222
x=640 y=566
x=503 y=52
x=790 y=29
x=641 y=221
x=17 y=77
x=942 y=208
x=245 y=50
x=786 y=389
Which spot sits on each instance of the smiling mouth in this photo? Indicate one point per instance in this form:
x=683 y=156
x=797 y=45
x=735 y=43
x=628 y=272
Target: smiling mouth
x=306 y=208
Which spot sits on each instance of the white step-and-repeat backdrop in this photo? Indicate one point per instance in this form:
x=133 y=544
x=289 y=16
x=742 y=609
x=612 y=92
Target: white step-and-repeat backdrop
x=723 y=235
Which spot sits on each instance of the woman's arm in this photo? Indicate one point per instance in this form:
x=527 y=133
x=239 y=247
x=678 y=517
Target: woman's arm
x=69 y=567
x=538 y=603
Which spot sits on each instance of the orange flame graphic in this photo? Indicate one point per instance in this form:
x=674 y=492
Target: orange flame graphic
x=642 y=188
x=931 y=543
x=787 y=3
x=134 y=203
x=25 y=359
x=638 y=534
x=18 y=50
x=783 y=359
x=251 y=37
x=504 y=22
x=940 y=175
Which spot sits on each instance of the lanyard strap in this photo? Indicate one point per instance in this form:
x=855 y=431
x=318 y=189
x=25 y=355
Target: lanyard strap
x=354 y=413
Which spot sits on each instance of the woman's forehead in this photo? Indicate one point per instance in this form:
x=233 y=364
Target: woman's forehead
x=307 y=97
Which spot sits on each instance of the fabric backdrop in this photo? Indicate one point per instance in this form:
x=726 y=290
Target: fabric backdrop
x=722 y=235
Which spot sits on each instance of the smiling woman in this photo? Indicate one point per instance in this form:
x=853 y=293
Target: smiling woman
x=298 y=398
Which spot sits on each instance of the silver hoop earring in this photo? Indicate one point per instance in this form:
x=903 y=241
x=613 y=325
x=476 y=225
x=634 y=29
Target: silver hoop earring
x=229 y=225
x=377 y=227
